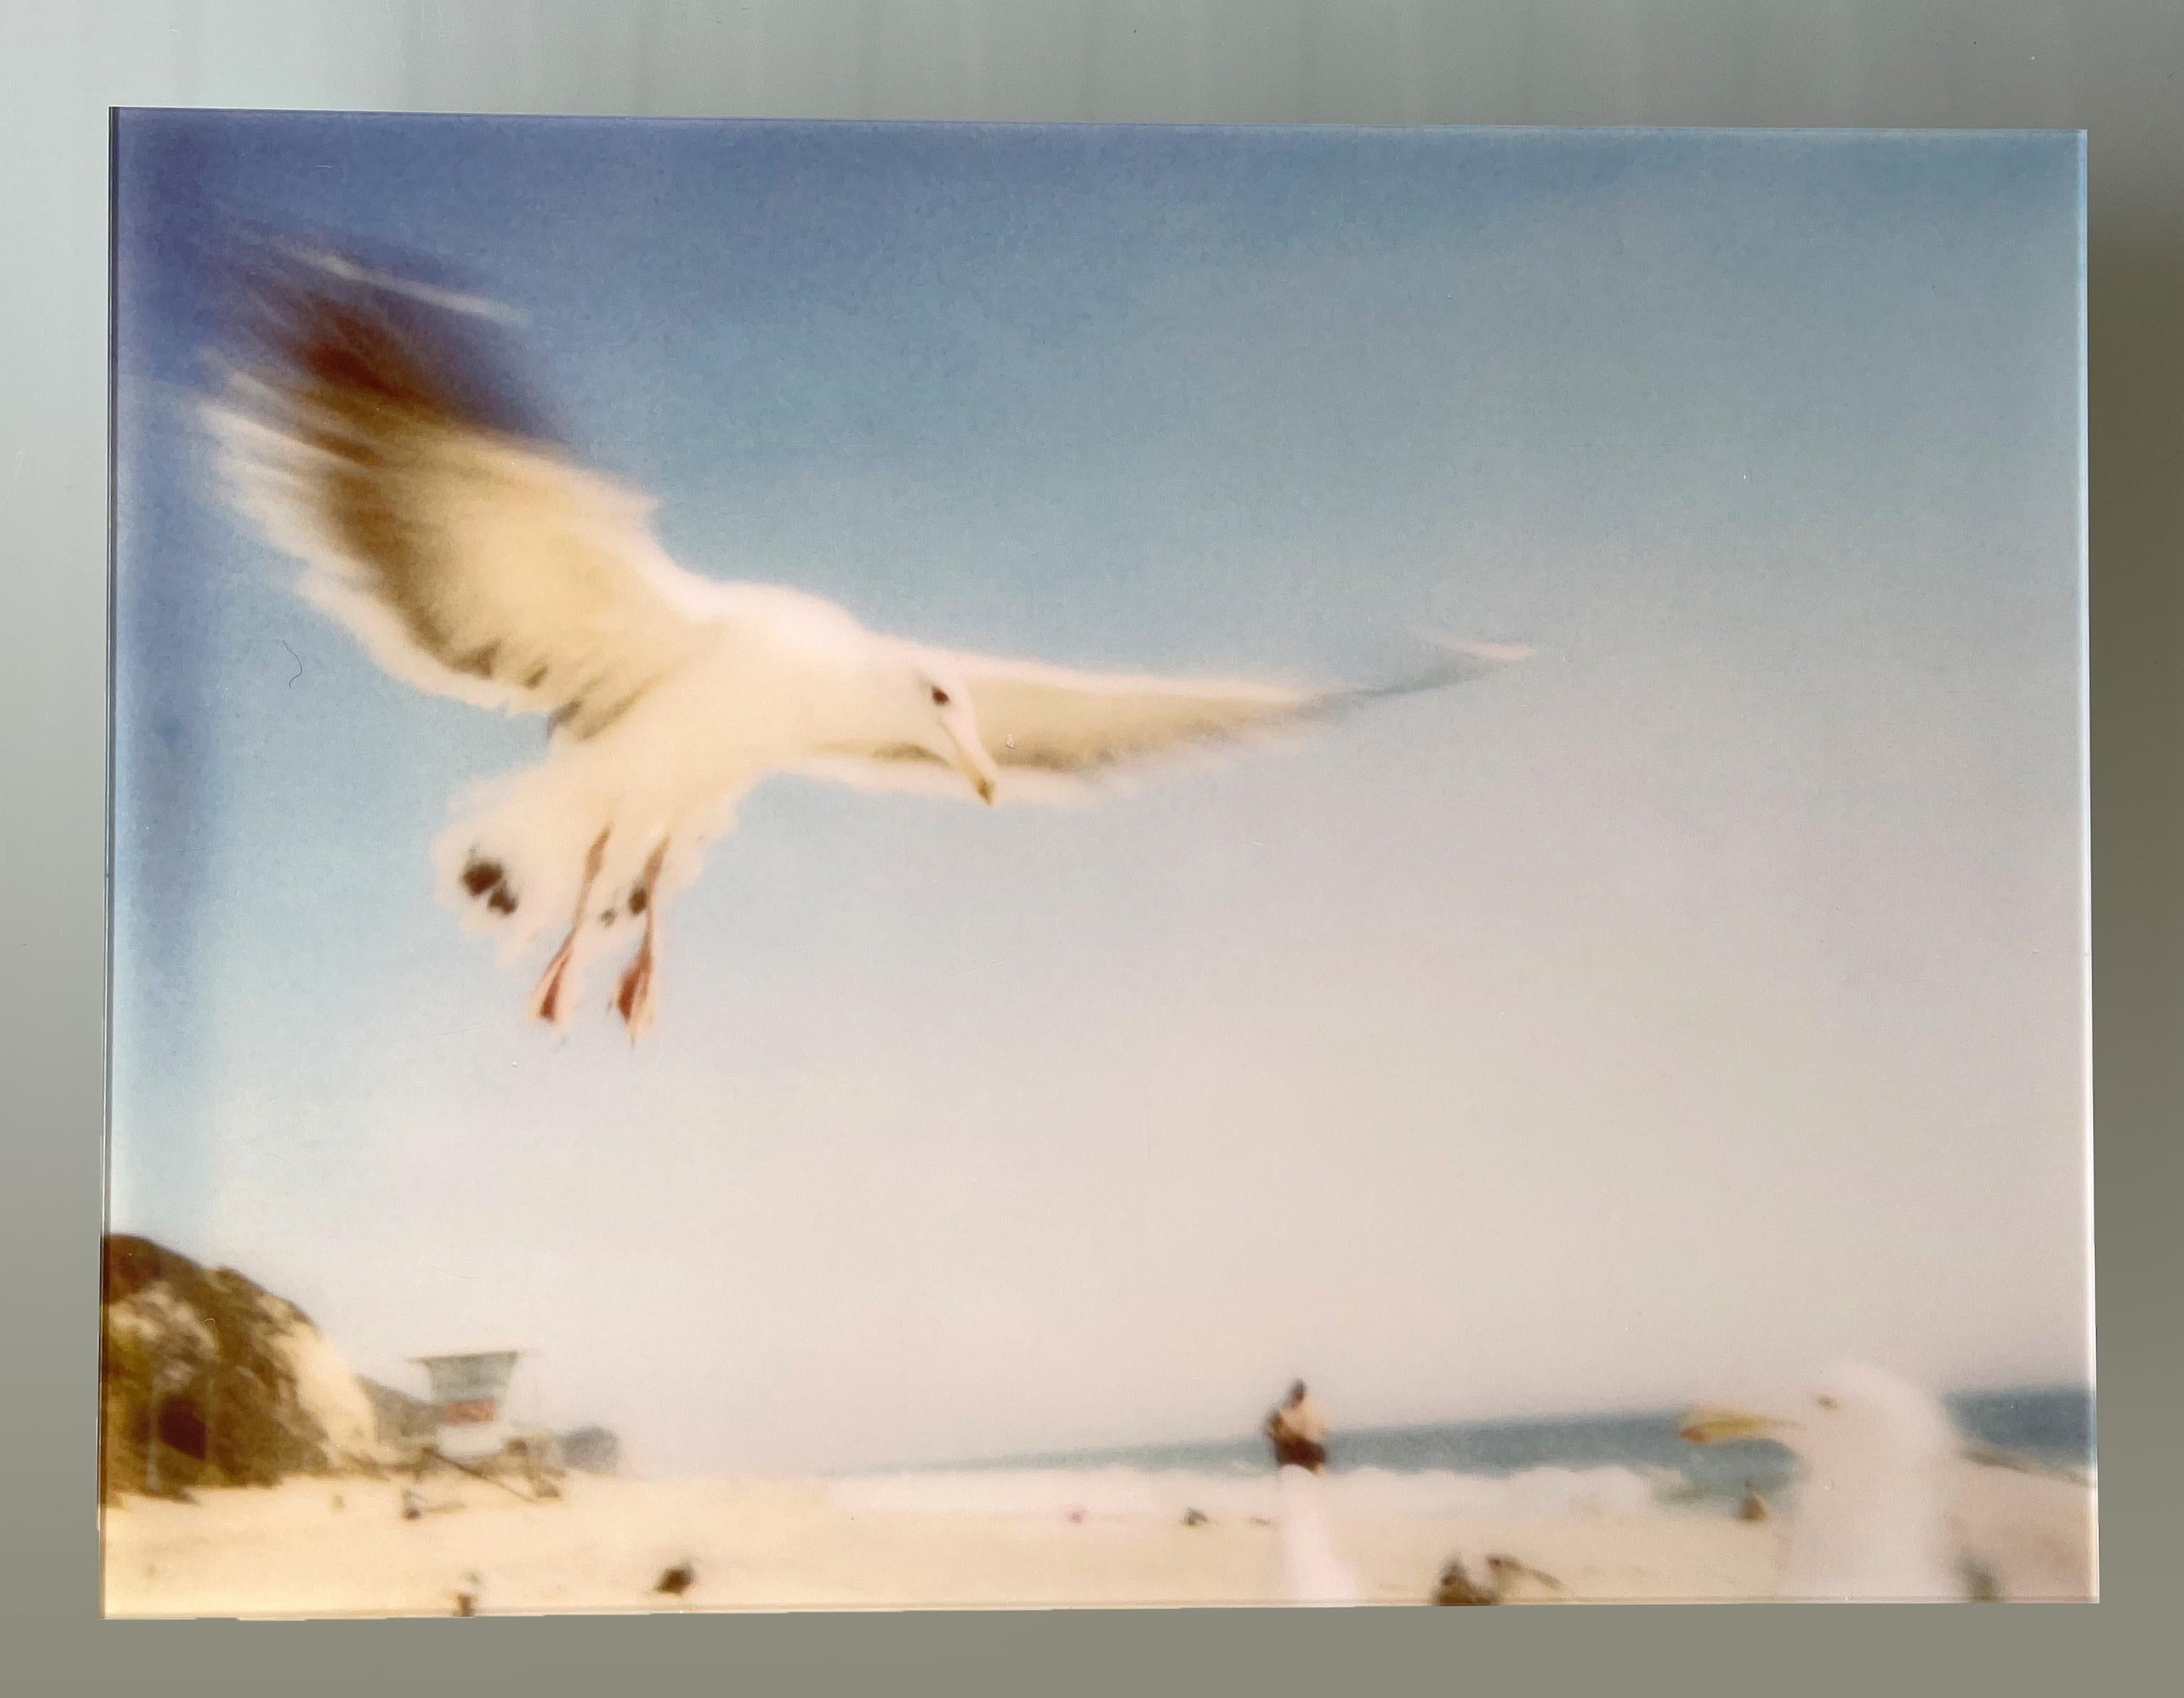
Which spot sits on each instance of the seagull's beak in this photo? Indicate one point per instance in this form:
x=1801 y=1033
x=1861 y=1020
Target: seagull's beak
x=972 y=761
x=1716 y=1424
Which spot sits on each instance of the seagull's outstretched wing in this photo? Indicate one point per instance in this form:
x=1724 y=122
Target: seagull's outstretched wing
x=1052 y=731
x=372 y=428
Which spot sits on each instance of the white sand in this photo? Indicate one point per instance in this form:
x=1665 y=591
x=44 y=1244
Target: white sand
x=288 y=1551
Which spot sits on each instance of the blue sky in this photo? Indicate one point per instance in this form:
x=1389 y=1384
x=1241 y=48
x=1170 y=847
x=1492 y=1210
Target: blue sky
x=1706 y=993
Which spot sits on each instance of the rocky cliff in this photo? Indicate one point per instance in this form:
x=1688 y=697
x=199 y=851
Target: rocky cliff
x=206 y=1378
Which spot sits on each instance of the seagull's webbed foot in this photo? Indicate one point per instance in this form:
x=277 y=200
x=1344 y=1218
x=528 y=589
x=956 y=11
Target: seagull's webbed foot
x=551 y=1000
x=633 y=996
x=553 y=994
x=633 y=999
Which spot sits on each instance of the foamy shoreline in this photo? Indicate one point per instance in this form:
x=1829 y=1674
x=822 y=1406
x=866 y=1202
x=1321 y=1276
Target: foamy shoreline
x=288 y=1550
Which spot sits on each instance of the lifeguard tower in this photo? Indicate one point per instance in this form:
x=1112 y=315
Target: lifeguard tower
x=469 y=1396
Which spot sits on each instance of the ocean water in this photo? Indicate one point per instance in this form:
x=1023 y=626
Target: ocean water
x=1623 y=1463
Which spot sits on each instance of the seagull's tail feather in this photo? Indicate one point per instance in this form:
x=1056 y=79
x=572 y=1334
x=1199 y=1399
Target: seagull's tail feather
x=512 y=861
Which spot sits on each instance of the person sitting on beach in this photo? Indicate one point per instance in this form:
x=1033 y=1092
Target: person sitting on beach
x=1297 y=1433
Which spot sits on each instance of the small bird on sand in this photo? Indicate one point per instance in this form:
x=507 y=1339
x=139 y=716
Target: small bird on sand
x=1517 y=1582
x=677 y=1580
x=1508 y=1581
x=1456 y=1587
x=467 y=1597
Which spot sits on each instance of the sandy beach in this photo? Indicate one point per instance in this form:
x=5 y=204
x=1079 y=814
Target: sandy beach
x=289 y=1550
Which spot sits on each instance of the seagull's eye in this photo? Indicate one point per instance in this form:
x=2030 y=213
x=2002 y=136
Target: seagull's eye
x=939 y=697
x=1825 y=1401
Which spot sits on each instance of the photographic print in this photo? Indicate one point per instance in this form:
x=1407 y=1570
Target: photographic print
x=868 y=865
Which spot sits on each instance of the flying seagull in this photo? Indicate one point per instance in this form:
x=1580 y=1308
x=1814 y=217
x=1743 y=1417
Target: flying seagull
x=373 y=425
x=1894 y=1505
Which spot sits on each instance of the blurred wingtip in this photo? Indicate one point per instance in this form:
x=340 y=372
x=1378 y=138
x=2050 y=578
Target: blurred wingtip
x=1458 y=661
x=269 y=260
x=334 y=263
x=310 y=317
x=1484 y=654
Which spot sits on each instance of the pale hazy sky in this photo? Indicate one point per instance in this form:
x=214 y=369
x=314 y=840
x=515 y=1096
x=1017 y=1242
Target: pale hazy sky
x=1702 y=997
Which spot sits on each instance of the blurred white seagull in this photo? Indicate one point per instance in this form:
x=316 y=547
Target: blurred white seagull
x=371 y=425
x=1895 y=1506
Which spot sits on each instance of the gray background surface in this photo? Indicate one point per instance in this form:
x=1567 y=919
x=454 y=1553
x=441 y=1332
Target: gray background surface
x=2113 y=69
